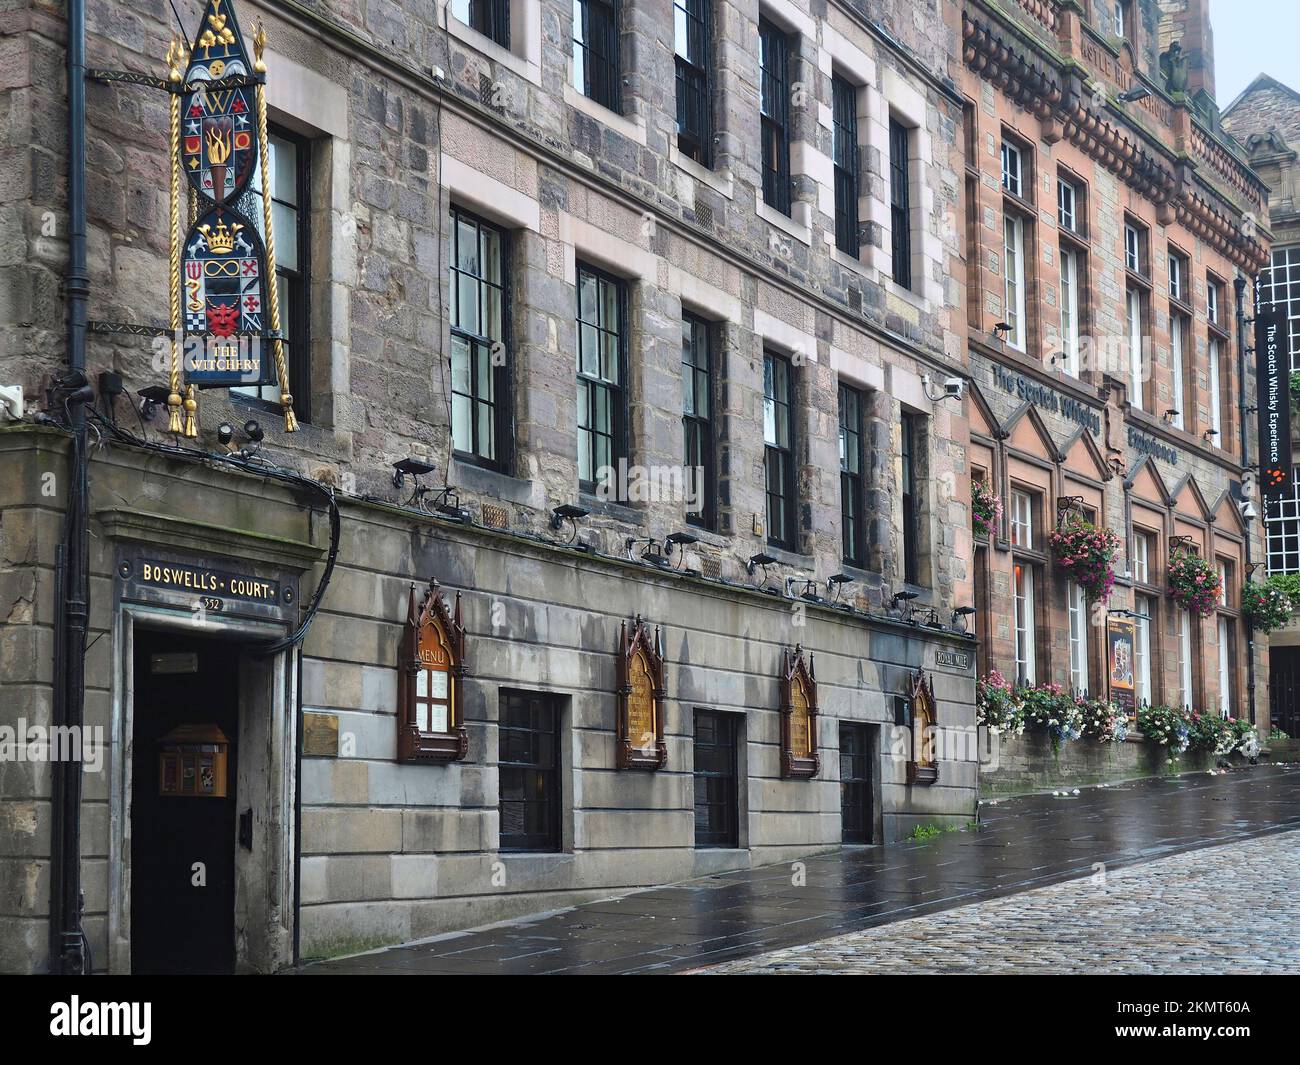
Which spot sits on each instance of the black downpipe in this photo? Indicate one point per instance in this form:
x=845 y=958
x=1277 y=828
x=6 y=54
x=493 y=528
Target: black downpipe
x=297 y=813
x=66 y=938
x=1239 y=287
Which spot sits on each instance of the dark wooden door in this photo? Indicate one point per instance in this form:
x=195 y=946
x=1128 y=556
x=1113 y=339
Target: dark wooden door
x=182 y=846
x=855 y=783
x=716 y=815
x=1284 y=688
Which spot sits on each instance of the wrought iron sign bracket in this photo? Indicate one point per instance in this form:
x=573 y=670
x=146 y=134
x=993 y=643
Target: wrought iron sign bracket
x=148 y=81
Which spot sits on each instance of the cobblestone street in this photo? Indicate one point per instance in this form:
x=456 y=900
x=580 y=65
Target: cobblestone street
x=1227 y=909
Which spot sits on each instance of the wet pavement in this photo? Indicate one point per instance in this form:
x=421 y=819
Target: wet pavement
x=1163 y=917
x=1022 y=844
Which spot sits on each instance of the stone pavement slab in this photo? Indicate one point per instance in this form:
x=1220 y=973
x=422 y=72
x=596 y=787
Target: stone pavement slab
x=1022 y=844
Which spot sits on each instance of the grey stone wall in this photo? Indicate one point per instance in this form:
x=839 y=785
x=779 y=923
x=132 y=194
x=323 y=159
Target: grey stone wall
x=393 y=851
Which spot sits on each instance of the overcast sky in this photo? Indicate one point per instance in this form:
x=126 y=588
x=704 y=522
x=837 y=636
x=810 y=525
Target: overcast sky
x=1254 y=37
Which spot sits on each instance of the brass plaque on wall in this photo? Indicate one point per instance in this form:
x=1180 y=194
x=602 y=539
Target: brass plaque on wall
x=320 y=735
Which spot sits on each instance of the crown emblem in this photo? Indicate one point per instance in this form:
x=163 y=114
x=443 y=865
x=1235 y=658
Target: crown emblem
x=221 y=241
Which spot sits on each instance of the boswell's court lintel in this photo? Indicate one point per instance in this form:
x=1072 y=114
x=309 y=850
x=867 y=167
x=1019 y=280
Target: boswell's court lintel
x=516 y=453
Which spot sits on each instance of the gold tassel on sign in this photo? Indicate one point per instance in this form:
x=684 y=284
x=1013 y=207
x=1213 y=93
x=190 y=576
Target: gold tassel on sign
x=191 y=413
x=175 y=52
x=273 y=286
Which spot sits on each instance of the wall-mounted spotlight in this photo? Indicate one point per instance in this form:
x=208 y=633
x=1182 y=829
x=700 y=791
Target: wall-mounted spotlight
x=1001 y=330
x=809 y=589
x=761 y=560
x=902 y=601
x=652 y=554
x=446 y=504
x=960 y=615
x=226 y=437
x=151 y=398
x=1138 y=92
x=415 y=469
x=679 y=541
x=1208 y=434
x=835 y=584
x=571 y=513
x=1169 y=415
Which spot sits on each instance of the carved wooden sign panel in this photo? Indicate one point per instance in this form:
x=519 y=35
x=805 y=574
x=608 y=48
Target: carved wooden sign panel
x=799 y=756
x=641 y=693
x=431 y=665
x=922 y=767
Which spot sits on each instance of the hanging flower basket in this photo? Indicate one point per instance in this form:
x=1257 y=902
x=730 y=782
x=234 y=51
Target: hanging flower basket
x=985 y=509
x=1087 y=554
x=1267 y=605
x=1193 y=582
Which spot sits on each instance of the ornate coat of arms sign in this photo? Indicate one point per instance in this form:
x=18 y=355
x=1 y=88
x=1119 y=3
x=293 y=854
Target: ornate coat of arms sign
x=224 y=303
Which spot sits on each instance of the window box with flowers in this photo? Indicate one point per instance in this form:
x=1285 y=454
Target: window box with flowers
x=1193 y=582
x=1268 y=605
x=985 y=509
x=1087 y=554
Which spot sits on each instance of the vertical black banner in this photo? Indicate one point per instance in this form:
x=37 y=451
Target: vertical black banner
x=1273 y=381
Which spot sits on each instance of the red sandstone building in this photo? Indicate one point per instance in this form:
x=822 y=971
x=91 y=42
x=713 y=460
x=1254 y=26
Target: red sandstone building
x=1111 y=228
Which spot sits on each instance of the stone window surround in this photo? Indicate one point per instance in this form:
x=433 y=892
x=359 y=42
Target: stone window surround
x=524 y=56
x=313 y=106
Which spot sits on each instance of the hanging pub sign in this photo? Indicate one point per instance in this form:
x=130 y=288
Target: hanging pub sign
x=431 y=665
x=225 y=313
x=1120 y=641
x=641 y=693
x=1273 y=385
x=799 y=758
x=922 y=767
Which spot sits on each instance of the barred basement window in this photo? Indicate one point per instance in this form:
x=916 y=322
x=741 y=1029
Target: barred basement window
x=528 y=771
x=595 y=52
x=774 y=106
x=490 y=17
x=479 y=384
x=691 y=45
x=602 y=354
x=844 y=99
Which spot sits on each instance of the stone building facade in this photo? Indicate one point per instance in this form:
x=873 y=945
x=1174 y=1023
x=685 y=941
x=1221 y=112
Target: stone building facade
x=1109 y=225
x=1265 y=119
x=472 y=200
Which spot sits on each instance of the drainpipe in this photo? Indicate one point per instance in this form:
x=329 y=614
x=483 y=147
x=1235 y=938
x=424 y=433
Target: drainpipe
x=297 y=810
x=1239 y=290
x=67 y=955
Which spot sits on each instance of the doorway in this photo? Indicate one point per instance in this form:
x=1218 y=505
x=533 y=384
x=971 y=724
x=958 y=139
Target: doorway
x=183 y=803
x=855 y=783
